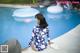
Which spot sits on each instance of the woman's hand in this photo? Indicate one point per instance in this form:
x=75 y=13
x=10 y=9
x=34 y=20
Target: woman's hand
x=33 y=46
x=50 y=42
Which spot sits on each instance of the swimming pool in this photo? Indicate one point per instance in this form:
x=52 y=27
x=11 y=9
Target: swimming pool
x=58 y=25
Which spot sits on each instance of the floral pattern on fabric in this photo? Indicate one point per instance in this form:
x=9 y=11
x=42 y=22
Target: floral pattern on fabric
x=38 y=37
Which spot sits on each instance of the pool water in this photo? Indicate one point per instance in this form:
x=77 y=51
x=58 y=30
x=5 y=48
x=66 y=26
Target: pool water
x=58 y=24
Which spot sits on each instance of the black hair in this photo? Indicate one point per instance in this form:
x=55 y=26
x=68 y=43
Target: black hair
x=43 y=23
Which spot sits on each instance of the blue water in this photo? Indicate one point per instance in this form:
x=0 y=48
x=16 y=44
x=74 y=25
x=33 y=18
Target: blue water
x=58 y=25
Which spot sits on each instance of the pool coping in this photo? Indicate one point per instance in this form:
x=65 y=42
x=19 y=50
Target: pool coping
x=18 y=5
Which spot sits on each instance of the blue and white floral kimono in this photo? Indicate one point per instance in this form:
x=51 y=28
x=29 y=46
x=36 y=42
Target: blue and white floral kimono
x=38 y=37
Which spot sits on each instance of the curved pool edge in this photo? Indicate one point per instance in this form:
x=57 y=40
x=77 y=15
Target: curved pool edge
x=66 y=43
x=17 y=5
x=69 y=40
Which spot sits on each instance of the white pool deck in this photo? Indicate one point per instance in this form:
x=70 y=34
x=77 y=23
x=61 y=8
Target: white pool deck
x=66 y=43
x=17 y=5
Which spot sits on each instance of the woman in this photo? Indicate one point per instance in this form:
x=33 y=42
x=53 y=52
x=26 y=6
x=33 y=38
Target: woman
x=39 y=32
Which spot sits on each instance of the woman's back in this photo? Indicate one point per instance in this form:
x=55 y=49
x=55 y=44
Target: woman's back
x=39 y=37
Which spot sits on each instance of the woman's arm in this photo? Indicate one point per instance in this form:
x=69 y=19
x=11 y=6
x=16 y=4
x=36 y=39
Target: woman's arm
x=49 y=42
x=32 y=39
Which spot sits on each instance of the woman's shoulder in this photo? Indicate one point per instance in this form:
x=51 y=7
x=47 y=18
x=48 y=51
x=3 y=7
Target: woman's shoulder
x=46 y=28
x=36 y=27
